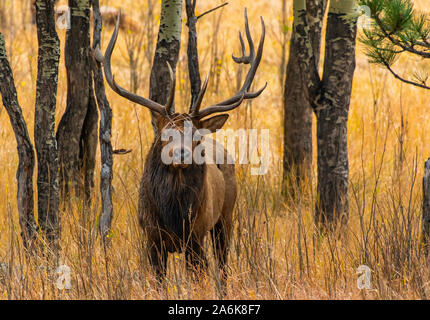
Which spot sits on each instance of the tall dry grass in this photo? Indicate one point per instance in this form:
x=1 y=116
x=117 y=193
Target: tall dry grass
x=275 y=253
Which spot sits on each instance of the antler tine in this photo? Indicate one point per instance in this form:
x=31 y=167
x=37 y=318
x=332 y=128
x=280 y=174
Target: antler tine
x=217 y=108
x=195 y=108
x=241 y=59
x=254 y=61
x=245 y=59
x=246 y=95
x=169 y=104
x=152 y=105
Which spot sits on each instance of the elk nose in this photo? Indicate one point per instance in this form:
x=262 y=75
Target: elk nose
x=181 y=155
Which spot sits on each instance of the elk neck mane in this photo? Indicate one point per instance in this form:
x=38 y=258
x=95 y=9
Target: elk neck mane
x=177 y=194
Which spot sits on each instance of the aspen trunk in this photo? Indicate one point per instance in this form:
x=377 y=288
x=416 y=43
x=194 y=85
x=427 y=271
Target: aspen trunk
x=167 y=50
x=298 y=113
x=331 y=109
x=329 y=98
x=44 y=120
x=24 y=173
x=77 y=131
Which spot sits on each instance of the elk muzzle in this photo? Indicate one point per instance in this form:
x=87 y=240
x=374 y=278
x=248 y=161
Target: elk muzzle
x=182 y=157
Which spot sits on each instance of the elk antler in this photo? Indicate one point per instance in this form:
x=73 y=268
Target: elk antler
x=152 y=105
x=242 y=94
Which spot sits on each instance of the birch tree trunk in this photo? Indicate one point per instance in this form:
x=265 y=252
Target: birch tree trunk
x=298 y=113
x=44 y=120
x=167 y=50
x=24 y=173
x=331 y=109
x=77 y=131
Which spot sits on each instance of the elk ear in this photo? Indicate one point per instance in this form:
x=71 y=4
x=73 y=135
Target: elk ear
x=214 y=123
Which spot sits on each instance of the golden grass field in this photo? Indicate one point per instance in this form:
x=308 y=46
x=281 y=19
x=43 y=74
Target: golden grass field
x=274 y=254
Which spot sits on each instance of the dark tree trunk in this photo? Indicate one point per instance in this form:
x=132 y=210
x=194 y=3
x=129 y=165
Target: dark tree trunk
x=105 y=135
x=298 y=113
x=24 y=174
x=426 y=206
x=88 y=148
x=167 y=50
x=77 y=131
x=331 y=109
x=315 y=16
x=329 y=98
x=192 y=51
x=44 y=120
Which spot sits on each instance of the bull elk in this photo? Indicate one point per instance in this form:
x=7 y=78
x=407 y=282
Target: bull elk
x=179 y=203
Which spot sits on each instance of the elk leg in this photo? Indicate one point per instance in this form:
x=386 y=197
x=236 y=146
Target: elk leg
x=158 y=260
x=221 y=241
x=195 y=255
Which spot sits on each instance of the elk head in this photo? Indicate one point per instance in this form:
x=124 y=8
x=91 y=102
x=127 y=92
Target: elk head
x=200 y=119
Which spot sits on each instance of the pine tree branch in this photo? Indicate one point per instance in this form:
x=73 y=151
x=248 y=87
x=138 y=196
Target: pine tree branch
x=387 y=65
x=389 y=36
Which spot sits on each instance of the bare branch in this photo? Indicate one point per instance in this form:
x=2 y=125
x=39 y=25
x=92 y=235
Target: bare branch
x=211 y=10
